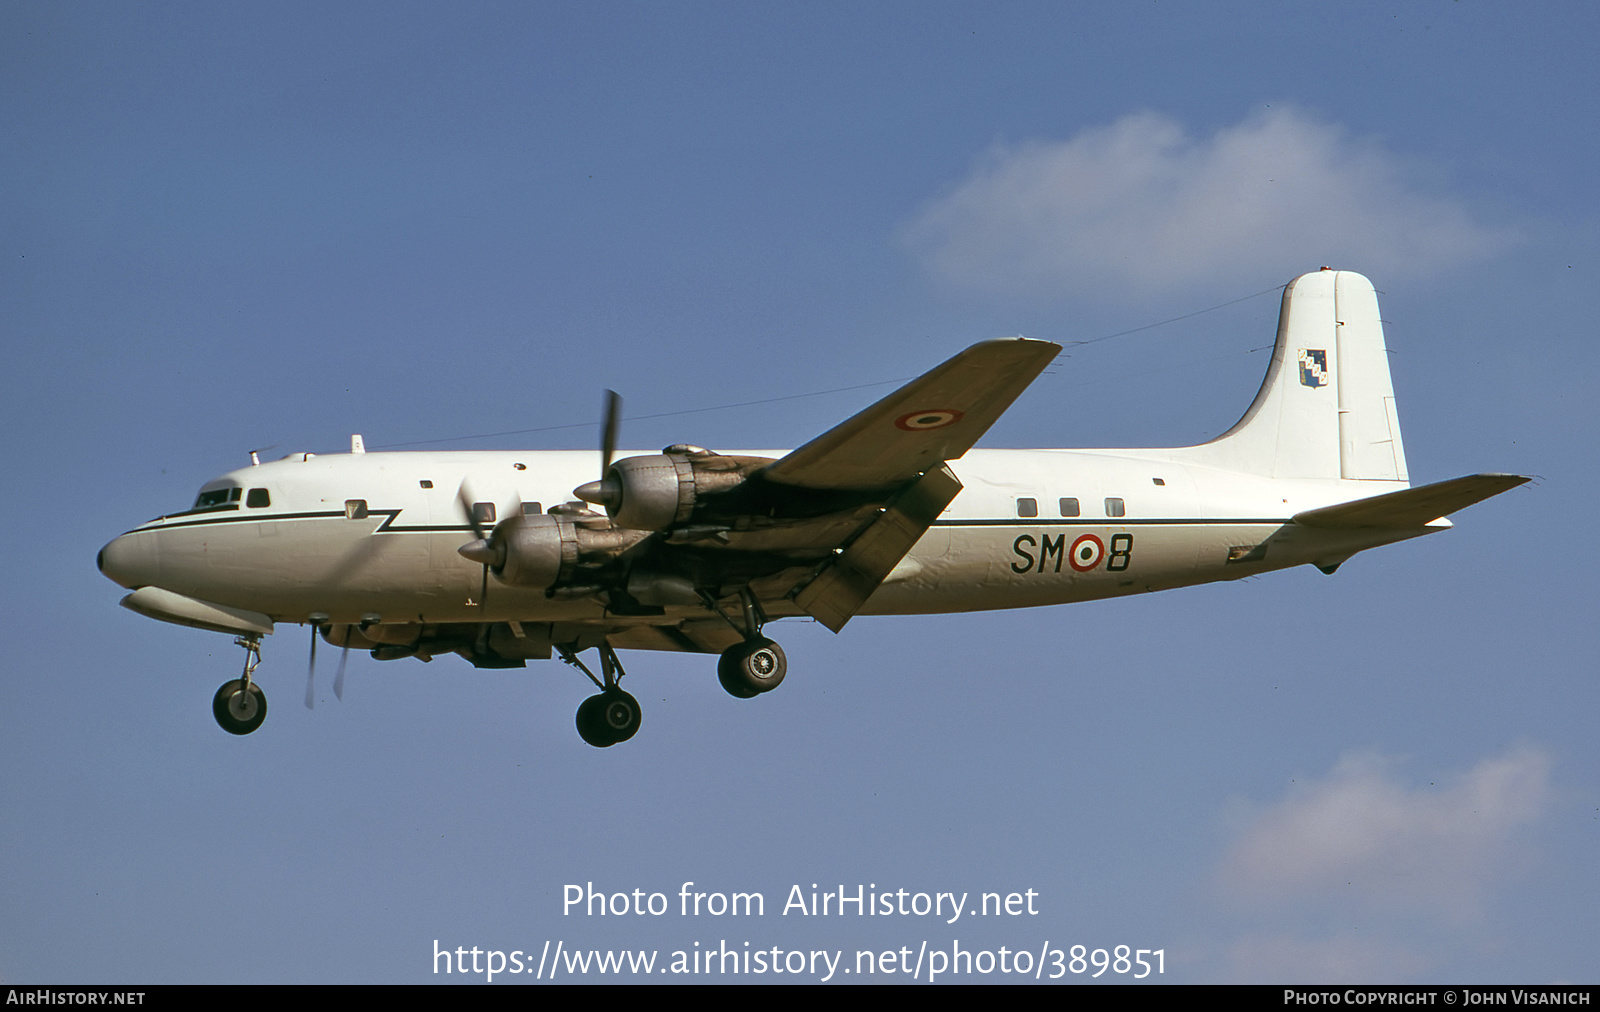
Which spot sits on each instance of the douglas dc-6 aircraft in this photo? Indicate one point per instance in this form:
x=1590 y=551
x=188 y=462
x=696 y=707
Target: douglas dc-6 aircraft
x=892 y=512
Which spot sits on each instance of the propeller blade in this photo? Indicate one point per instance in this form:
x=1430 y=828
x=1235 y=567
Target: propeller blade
x=482 y=550
x=464 y=500
x=344 y=655
x=311 y=673
x=605 y=492
x=608 y=431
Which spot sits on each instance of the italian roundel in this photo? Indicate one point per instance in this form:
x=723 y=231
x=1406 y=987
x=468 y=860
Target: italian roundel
x=1086 y=553
x=928 y=418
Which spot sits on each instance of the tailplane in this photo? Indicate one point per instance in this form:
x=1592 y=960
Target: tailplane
x=1326 y=408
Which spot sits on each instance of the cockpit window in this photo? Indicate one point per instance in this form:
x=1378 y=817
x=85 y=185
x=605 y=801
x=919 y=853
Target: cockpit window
x=211 y=498
x=258 y=499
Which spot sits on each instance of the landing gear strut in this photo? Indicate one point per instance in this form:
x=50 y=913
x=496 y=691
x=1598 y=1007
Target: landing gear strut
x=240 y=706
x=613 y=715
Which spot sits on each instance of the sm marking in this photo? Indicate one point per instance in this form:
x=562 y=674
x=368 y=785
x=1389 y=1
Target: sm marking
x=1086 y=554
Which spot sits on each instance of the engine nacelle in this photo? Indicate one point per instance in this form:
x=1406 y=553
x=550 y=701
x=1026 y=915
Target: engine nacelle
x=545 y=551
x=657 y=491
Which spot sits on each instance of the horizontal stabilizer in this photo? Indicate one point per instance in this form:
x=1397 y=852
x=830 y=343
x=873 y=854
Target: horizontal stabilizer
x=1412 y=507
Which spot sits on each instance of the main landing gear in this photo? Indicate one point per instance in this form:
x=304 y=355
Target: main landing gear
x=240 y=706
x=613 y=715
x=746 y=669
x=757 y=665
x=750 y=668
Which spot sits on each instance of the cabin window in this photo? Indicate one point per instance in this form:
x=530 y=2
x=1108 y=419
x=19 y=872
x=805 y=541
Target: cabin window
x=1070 y=508
x=483 y=512
x=425 y=483
x=258 y=499
x=1027 y=507
x=1158 y=481
x=531 y=509
x=1115 y=508
x=355 y=509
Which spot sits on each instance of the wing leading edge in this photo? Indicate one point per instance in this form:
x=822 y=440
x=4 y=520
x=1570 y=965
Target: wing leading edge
x=934 y=418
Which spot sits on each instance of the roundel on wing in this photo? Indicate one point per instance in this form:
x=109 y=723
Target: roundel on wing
x=927 y=418
x=1086 y=553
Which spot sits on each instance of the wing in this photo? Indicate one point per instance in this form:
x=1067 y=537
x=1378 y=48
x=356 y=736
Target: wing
x=934 y=418
x=902 y=443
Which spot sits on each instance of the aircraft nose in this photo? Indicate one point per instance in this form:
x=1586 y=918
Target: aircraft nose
x=128 y=560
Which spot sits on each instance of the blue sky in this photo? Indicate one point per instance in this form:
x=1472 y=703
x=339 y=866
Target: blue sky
x=237 y=227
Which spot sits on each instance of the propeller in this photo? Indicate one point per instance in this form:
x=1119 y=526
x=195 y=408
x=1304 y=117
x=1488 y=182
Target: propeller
x=606 y=492
x=489 y=550
x=319 y=621
x=483 y=550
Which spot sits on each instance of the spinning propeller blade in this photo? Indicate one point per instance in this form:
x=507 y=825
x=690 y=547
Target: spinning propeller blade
x=608 y=431
x=311 y=673
x=344 y=655
x=605 y=492
x=489 y=549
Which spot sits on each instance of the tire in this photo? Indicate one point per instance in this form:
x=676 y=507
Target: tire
x=591 y=723
x=750 y=668
x=237 y=711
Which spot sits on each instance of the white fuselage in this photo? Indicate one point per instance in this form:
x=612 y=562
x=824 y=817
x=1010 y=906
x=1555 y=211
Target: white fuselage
x=354 y=537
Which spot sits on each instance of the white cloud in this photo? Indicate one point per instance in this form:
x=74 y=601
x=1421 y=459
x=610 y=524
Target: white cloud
x=1363 y=836
x=1142 y=207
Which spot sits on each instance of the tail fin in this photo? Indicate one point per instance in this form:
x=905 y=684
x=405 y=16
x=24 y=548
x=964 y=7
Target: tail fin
x=1326 y=408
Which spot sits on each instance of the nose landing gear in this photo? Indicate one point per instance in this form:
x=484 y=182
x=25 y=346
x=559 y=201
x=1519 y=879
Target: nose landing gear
x=240 y=706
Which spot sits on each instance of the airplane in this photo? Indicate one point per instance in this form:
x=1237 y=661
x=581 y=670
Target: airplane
x=503 y=557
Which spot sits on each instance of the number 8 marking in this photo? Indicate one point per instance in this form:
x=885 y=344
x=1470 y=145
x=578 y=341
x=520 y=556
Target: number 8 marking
x=1121 y=553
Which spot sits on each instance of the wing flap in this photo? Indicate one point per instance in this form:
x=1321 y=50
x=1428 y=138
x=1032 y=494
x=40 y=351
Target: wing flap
x=701 y=636
x=1412 y=507
x=934 y=418
x=845 y=583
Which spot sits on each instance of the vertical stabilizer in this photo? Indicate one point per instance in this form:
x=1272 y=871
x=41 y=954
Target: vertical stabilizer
x=1326 y=408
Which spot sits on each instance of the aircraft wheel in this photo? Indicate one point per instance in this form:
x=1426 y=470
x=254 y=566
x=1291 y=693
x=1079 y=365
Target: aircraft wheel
x=238 y=711
x=612 y=716
x=620 y=714
x=752 y=667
